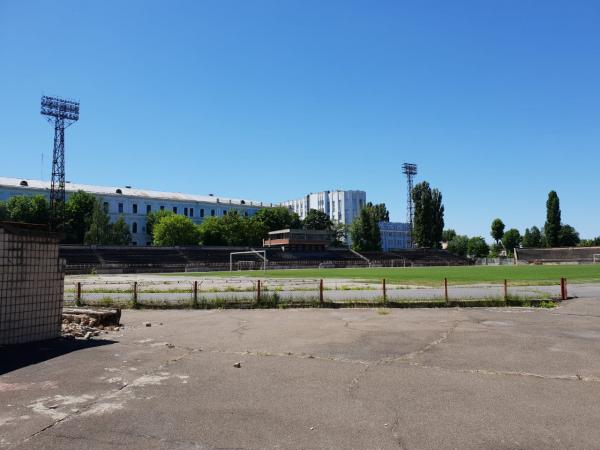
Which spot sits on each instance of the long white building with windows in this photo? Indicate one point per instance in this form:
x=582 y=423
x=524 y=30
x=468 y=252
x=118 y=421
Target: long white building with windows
x=341 y=206
x=133 y=204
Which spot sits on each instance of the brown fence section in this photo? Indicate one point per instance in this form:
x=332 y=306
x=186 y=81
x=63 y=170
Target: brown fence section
x=250 y=293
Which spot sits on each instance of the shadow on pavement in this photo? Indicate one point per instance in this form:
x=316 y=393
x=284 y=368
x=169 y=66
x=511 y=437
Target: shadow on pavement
x=14 y=357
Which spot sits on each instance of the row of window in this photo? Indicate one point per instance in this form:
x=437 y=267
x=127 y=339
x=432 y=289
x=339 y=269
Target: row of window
x=188 y=212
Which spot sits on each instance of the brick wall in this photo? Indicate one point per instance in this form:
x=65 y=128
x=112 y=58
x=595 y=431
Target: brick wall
x=31 y=284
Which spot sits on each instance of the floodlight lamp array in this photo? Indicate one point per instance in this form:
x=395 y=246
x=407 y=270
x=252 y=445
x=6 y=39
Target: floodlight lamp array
x=409 y=169
x=60 y=108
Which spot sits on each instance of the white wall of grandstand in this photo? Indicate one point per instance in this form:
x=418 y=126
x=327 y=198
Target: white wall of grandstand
x=341 y=206
x=133 y=204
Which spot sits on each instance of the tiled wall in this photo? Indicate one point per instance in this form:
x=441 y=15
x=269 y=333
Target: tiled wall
x=31 y=286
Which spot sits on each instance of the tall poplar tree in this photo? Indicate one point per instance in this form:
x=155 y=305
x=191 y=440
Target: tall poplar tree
x=428 y=220
x=438 y=218
x=552 y=225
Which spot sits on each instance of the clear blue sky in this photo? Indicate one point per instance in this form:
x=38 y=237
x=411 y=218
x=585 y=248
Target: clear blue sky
x=498 y=102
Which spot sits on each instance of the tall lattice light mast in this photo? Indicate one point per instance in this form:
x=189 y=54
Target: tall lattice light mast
x=62 y=114
x=410 y=170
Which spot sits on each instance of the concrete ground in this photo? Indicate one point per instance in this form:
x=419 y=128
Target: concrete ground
x=503 y=378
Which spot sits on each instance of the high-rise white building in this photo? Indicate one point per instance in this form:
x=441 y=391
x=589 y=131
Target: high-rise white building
x=341 y=206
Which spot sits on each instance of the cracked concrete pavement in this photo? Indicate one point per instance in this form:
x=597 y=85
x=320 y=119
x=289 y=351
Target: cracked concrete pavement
x=314 y=378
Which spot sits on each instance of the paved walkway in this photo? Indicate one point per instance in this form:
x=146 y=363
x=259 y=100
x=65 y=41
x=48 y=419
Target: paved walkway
x=317 y=378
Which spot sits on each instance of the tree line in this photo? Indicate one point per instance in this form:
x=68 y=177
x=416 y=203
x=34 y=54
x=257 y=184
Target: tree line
x=234 y=229
x=85 y=220
x=554 y=233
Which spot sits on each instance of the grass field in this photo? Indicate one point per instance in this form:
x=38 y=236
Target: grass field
x=433 y=276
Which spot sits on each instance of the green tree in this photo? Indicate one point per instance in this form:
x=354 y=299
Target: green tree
x=3 y=211
x=212 y=232
x=428 y=220
x=511 y=240
x=423 y=215
x=526 y=239
x=340 y=234
x=448 y=235
x=232 y=229
x=317 y=220
x=99 y=232
x=175 y=230
x=497 y=230
x=153 y=217
x=364 y=231
x=279 y=218
x=27 y=209
x=477 y=247
x=256 y=231
x=594 y=242
x=240 y=230
x=532 y=238
x=553 y=220
x=459 y=245
x=496 y=250
x=79 y=210
x=568 y=236
x=119 y=231
x=438 y=217
x=380 y=212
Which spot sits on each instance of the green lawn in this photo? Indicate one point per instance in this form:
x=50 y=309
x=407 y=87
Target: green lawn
x=429 y=276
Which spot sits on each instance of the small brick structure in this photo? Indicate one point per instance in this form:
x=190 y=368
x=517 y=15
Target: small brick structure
x=31 y=284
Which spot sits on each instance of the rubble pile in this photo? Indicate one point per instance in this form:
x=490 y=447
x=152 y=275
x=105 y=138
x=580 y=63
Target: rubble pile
x=85 y=323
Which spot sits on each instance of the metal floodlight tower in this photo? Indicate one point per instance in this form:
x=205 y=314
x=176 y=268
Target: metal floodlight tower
x=410 y=170
x=62 y=114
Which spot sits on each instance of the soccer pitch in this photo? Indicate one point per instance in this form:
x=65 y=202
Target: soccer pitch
x=433 y=276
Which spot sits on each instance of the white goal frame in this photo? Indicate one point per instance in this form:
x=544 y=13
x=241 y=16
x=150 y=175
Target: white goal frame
x=596 y=258
x=250 y=252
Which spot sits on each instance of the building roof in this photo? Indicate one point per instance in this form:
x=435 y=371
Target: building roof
x=17 y=183
x=324 y=192
x=299 y=230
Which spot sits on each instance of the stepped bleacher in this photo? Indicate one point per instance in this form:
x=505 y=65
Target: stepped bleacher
x=329 y=258
x=79 y=256
x=85 y=259
x=141 y=256
x=414 y=258
x=564 y=255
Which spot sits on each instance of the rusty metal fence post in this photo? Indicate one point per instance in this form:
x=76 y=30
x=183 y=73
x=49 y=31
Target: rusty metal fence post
x=384 y=291
x=321 y=292
x=446 y=289
x=563 y=289
x=135 y=295
x=195 y=293
x=258 y=291
x=78 y=298
x=505 y=290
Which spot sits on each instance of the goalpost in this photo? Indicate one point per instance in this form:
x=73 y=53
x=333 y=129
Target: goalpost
x=596 y=258
x=260 y=253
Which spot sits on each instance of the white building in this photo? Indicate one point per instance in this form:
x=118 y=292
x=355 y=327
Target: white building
x=133 y=204
x=394 y=235
x=340 y=206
